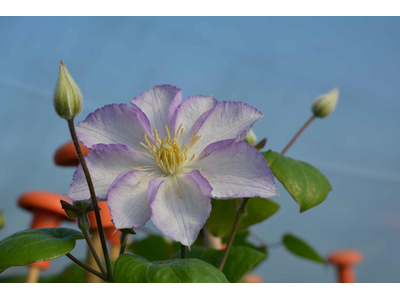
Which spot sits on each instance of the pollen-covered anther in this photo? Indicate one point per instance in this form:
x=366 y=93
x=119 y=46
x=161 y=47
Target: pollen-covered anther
x=170 y=153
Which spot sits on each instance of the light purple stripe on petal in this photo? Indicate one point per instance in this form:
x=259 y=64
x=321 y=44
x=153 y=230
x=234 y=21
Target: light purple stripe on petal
x=111 y=124
x=172 y=109
x=179 y=207
x=237 y=170
x=127 y=200
x=190 y=111
x=155 y=104
x=228 y=120
x=154 y=185
x=199 y=122
x=105 y=163
x=203 y=184
x=216 y=145
x=143 y=120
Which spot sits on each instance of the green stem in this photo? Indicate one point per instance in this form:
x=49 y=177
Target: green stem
x=93 y=251
x=123 y=239
x=183 y=251
x=232 y=235
x=86 y=267
x=298 y=134
x=85 y=169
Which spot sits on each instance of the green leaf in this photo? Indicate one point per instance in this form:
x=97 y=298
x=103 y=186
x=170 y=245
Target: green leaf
x=176 y=246
x=223 y=215
x=307 y=185
x=32 y=245
x=301 y=248
x=241 y=239
x=152 y=248
x=13 y=279
x=240 y=259
x=135 y=269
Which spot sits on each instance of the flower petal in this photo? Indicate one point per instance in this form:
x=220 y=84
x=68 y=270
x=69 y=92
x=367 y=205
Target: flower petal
x=128 y=201
x=228 y=120
x=105 y=163
x=216 y=145
x=159 y=105
x=180 y=213
x=190 y=110
x=237 y=170
x=113 y=124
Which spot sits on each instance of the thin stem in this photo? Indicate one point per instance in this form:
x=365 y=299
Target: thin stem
x=123 y=239
x=94 y=253
x=232 y=235
x=85 y=169
x=86 y=267
x=298 y=134
x=183 y=251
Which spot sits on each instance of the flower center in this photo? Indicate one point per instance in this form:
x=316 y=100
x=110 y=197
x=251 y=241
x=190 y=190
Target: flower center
x=170 y=154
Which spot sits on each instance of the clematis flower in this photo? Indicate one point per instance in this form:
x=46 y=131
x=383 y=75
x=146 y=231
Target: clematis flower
x=163 y=158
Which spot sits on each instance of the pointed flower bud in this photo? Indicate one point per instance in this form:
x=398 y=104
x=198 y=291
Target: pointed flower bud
x=325 y=104
x=250 y=138
x=68 y=101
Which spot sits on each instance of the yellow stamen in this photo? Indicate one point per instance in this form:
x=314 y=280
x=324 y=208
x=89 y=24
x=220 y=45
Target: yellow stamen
x=145 y=137
x=170 y=153
x=169 y=135
x=144 y=145
x=156 y=137
x=204 y=155
x=144 y=178
x=138 y=169
x=179 y=192
x=192 y=158
x=179 y=128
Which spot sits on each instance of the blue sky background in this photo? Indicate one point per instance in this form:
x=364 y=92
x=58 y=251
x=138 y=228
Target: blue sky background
x=278 y=65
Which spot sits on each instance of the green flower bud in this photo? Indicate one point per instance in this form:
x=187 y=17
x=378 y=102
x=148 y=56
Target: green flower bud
x=68 y=101
x=83 y=222
x=250 y=138
x=77 y=208
x=2 y=219
x=325 y=104
x=70 y=210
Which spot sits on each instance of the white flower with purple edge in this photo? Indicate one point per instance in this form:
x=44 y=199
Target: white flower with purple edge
x=163 y=158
